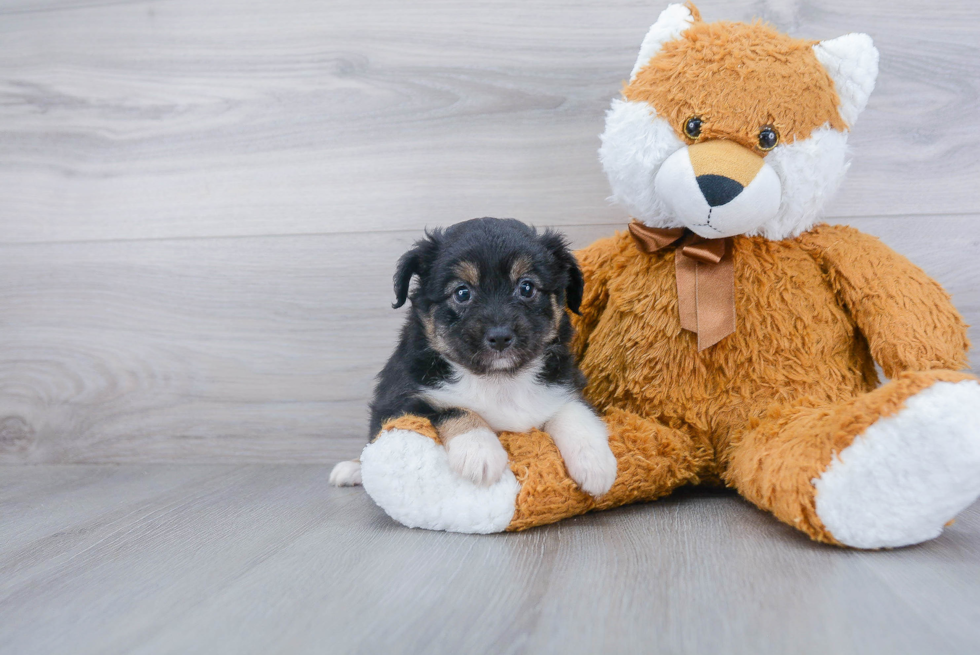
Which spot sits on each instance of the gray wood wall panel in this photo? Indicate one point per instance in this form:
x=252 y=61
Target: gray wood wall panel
x=185 y=118
x=201 y=203
x=246 y=349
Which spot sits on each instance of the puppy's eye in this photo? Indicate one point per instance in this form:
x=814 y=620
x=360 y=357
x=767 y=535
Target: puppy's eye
x=526 y=289
x=692 y=127
x=768 y=138
x=461 y=294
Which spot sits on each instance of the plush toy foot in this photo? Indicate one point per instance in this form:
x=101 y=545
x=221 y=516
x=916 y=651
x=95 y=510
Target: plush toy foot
x=409 y=476
x=908 y=474
x=884 y=469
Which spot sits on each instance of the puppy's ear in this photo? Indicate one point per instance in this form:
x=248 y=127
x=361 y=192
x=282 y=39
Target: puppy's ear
x=416 y=261
x=568 y=266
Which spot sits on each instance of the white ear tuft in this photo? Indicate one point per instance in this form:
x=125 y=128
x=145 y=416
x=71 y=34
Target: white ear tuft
x=670 y=25
x=852 y=62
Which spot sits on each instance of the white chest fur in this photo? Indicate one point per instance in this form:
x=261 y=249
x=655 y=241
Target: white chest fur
x=514 y=403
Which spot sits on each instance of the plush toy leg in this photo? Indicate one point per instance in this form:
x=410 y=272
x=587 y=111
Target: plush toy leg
x=406 y=472
x=889 y=468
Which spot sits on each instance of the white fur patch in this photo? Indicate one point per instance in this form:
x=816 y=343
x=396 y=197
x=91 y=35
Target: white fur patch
x=810 y=172
x=852 y=61
x=346 y=474
x=515 y=403
x=676 y=183
x=902 y=480
x=669 y=26
x=409 y=477
x=583 y=441
x=635 y=143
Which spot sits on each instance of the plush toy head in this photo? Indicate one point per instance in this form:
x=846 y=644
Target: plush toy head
x=733 y=128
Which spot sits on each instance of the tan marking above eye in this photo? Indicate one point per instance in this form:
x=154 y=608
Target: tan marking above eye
x=468 y=272
x=520 y=267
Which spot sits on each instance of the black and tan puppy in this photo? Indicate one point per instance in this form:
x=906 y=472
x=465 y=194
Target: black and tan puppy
x=485 y=349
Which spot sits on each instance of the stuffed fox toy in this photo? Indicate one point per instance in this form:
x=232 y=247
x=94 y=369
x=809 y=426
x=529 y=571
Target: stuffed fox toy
x=728 y=337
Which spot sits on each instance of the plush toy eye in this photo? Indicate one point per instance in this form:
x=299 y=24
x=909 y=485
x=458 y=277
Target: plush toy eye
x=461 y=294
x=692 y=127
x=526 y=289
x=768 y=138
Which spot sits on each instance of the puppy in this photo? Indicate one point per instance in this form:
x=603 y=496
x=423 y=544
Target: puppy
x=485 y=349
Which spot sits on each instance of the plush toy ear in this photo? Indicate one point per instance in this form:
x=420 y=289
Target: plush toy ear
x=416 y=261
x=556 y=244
x=852 y=62
x=671 y=24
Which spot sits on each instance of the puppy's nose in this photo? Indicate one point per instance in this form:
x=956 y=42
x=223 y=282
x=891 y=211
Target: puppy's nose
x=718 y=189
x=499 y=338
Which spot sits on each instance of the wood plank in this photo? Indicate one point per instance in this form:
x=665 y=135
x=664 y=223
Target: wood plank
x=261 y=559
x=133 y=119
x=246 y=349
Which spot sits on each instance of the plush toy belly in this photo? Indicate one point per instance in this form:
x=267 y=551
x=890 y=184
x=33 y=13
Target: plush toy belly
x=792 y=340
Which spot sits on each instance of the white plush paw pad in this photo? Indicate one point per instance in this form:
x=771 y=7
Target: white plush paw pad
x=477 y=456
x=909 y=474
x=409 y=477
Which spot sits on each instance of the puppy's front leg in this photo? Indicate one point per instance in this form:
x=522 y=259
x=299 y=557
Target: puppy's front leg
x=583 y=441
x=474 y=450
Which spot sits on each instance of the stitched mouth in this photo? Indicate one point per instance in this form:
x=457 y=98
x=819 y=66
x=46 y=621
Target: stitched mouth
x=707 y=223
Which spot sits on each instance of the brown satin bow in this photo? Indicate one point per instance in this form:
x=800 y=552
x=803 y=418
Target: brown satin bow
x=705 y=279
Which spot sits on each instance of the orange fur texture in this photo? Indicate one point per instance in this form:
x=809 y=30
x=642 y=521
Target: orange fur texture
x=780 y=84
x=764 y=410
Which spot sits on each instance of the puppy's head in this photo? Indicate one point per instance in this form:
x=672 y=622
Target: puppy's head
x=492 y=292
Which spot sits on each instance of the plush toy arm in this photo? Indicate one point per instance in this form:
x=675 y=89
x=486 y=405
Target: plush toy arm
x=906 y=316
x=596 y=262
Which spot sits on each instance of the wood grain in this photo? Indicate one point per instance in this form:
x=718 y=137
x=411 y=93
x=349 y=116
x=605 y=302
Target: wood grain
x=201 y=203
x=269 y=559
x=257 y=349
x=135 y=119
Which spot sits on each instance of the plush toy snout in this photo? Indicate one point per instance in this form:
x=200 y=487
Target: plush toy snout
x=719 y=188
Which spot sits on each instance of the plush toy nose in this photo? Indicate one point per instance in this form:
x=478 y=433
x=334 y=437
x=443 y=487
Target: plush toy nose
x=499 y=338
x=723 y=169
x=718 y=189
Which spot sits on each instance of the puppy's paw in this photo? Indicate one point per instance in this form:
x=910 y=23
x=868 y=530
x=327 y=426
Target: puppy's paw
x=477 y=456
x=593 y=467
x=583 y=441
x=346 y=474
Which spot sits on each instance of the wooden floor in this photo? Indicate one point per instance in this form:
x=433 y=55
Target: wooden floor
x=270 y=559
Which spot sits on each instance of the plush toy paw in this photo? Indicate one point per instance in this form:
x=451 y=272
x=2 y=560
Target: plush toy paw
x=909 y=474
x=477 y=456
x=583 y=441
x=409 y=476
